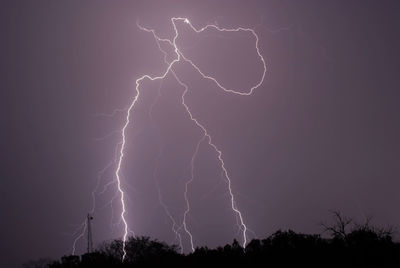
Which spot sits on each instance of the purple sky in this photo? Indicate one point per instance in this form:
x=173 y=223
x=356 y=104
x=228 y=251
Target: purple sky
x=320 y=134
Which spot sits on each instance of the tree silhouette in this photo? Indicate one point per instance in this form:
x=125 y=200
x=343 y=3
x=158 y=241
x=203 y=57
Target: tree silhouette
x=350 y=245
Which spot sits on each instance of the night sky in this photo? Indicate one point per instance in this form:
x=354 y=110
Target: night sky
x=320 y=134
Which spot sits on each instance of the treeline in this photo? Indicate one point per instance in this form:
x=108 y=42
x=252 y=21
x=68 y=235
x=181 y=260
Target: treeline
x=349 y=245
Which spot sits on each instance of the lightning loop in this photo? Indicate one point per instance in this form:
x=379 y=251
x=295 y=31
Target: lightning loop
x=179 y=58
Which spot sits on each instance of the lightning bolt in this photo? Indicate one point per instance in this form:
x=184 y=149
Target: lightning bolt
x=175 y=227
x=179 y=57
x=83 y=225
x=186 y=193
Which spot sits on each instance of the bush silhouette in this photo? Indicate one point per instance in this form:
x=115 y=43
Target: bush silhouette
x=349 y=245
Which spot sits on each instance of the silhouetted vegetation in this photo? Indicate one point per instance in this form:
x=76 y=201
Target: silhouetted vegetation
x=349 y=245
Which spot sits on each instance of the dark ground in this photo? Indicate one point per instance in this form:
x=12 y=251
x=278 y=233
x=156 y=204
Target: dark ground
x=349 y=245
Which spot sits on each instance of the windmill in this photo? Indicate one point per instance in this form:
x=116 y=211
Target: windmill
x=89 y=234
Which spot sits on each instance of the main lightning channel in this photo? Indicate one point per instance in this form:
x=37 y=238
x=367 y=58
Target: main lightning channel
x=130 y=109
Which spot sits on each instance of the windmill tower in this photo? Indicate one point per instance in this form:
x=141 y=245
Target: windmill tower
x=89 y=234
